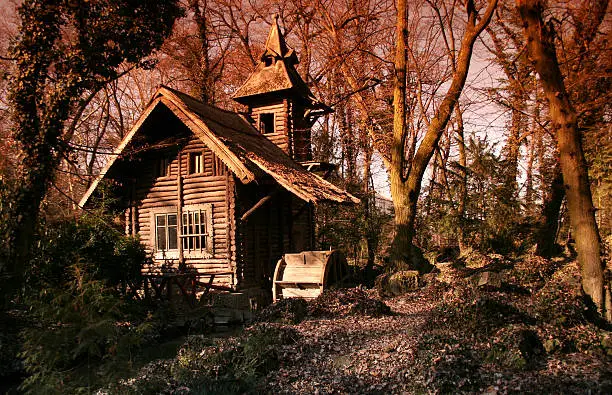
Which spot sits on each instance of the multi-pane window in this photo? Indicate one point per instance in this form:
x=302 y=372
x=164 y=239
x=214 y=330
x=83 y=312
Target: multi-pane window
x=188 y=232
x=196 y=163
x=166 y=231
x=194 y=230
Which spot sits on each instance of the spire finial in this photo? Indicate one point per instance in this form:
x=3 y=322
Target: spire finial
x=275 y=44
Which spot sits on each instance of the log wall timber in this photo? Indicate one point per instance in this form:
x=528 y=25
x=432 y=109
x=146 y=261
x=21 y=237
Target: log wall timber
x=279 y=108
x=291 y=129
x=179 y=188
x=269 y=231
x=300 y=134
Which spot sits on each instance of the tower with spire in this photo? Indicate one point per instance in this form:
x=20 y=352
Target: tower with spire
x=279 y=102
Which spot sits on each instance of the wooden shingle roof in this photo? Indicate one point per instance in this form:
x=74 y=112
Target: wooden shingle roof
x=276 y=73
x=245 y=151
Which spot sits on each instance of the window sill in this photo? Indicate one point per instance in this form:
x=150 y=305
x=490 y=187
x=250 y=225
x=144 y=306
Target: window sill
x=166 y=255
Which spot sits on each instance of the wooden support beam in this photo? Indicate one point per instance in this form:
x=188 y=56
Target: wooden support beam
x=257 y=205
x=179 y=216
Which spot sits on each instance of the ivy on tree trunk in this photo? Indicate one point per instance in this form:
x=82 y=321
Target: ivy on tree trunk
x=65 y=48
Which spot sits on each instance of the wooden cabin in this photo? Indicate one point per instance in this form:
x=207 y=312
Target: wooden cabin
x=219 y=192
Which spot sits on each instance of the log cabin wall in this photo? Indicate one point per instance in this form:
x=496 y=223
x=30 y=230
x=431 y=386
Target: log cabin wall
x=302 y=225
x=301 y=133
x=210 y=188
x=282 y=225
x=277 y=111
x=290 y=130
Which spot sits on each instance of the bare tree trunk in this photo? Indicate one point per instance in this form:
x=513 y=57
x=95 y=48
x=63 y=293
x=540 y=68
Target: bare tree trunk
x=403 y=233
x=371 y=236
x=463 y=179
x=204 y=89
x=551 y=208
x=405 y=189
x=541 y=47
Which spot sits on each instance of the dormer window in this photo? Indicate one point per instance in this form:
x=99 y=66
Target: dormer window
x=266 y=123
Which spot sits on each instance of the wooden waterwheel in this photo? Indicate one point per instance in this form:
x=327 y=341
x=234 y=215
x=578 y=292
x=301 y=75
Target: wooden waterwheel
x=307 y=274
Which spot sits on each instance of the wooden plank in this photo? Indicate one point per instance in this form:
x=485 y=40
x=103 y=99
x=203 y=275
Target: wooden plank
x=211 y=180
x=268 y=108
x=164 y=194
x=302 y=276
x=159 y=203
x=305 y=259
x=308 y=293
x=202 y=200
x=196 y=194
x=204 y=187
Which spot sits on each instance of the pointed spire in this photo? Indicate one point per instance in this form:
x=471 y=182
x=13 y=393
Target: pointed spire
x=276 y=46
x=275 y=42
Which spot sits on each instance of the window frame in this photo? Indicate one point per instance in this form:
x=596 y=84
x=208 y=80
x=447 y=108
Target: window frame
x=163 y=167
x=192 y=237
x=196 y=166
x=167 y=253
x=268 y=125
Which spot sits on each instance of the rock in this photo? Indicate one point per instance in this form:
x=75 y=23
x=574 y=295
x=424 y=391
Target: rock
x=516 y=348
x=606 y=343
x=398 y=283
x=429 y=278
x=551 y=345
x=487 y=279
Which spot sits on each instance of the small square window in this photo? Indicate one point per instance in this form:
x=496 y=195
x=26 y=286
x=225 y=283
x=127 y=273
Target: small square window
x=162 y=168
x=266 y=123
x=196 y=163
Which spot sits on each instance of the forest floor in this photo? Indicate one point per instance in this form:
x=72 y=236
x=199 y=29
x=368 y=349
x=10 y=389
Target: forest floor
x=404 y=353
x=485 y=324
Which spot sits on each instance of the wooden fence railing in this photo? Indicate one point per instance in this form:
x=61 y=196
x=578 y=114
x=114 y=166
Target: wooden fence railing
x=166 y=286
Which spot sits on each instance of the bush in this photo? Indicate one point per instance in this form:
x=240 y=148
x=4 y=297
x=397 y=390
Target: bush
x=215 y=366
x=286 y=311
x=85 y=332
x=349 y=301
x=105 y=253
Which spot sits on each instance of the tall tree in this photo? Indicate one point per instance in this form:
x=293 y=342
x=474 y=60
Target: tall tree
x=63 y=49
x=407 y=170
x=540 y=38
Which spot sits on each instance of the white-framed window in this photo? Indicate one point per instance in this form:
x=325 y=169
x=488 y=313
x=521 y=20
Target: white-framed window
x=166 y=231
x=190 y=230
x=196 y=230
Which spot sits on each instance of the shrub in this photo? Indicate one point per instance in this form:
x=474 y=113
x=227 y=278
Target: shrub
x=286 y=311
x=215 y=366
x=349 y=301
x=102 y=251
x=85 y=332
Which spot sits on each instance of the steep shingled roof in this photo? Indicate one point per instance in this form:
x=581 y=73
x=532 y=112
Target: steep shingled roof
x=245 y=151
x=278 y=74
